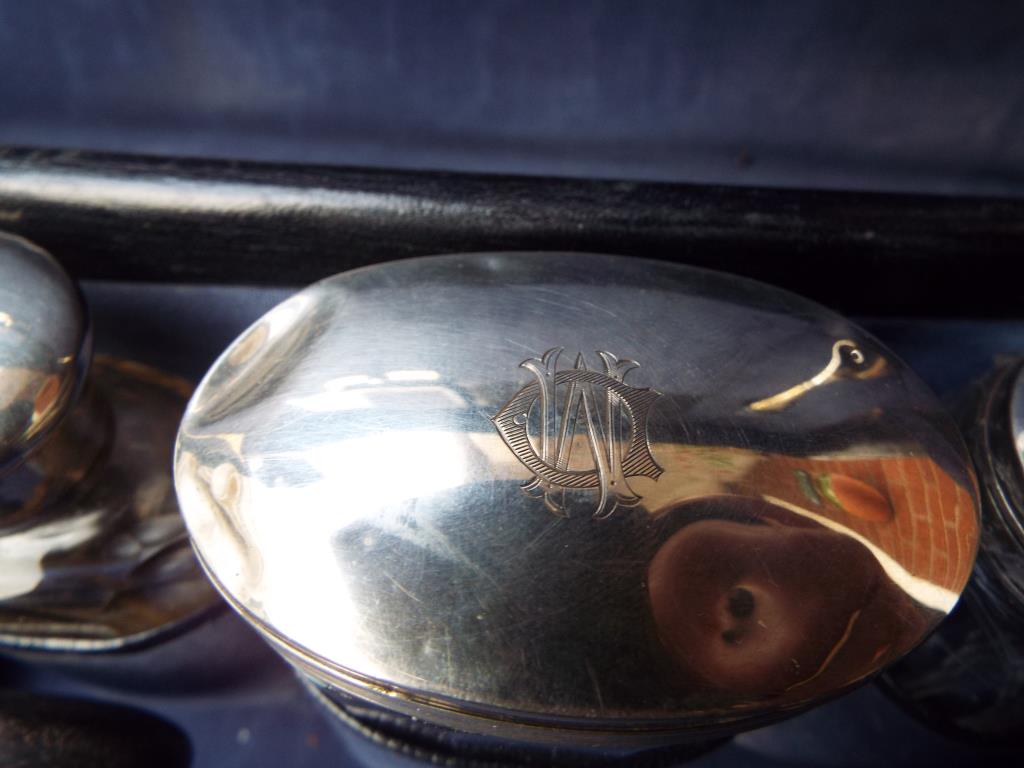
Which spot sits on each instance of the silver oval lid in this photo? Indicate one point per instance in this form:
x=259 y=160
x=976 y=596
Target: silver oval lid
x=576 y=492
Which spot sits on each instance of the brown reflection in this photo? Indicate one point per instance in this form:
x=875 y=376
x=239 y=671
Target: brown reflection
x=908 y=508
x=752 y=599
x=50 y=473
x=28 y=400
x=771 y=577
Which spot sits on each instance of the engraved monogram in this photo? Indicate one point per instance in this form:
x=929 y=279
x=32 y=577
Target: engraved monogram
x=545 y=420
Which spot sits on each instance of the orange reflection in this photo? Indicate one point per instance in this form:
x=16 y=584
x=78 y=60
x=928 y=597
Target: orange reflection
x=909 y=507
x=792 y=576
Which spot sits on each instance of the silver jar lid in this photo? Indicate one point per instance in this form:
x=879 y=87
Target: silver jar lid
x=44 y=345
x=574 y=497
x=93 y=551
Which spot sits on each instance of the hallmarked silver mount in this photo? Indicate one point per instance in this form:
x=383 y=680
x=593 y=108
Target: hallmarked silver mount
x=395 y=474
x=611 y=416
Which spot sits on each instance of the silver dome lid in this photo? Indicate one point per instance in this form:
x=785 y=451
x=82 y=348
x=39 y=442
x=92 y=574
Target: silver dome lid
x=44 y=345
x=575 y=497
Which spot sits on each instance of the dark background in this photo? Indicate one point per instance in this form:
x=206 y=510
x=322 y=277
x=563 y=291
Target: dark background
x=872 y=96
x=906 y=95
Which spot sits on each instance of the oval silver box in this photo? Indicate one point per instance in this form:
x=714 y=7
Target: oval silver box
x=575 y=498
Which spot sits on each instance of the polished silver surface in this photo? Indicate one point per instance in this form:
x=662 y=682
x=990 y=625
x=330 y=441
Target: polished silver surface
x=568 y=497
x=1017 y=417
x=43 y=345
x=93 y=551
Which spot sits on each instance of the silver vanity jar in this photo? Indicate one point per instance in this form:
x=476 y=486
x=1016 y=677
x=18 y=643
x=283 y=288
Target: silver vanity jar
x=97 y=577
x=581 y=504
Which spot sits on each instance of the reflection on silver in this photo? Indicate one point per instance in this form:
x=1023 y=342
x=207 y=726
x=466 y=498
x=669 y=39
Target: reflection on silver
x=1017 y=418
x=352 y=476
x=93 y=552
x=44 y=344
x=847 y=359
